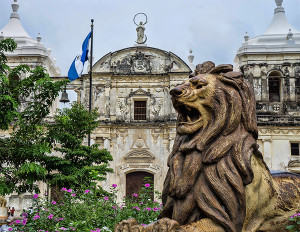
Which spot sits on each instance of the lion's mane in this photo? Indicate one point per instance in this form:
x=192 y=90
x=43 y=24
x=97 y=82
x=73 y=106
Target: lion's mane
x=222 y=154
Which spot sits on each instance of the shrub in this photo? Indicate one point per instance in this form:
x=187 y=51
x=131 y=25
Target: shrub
x=86 y=211
x=294 y=223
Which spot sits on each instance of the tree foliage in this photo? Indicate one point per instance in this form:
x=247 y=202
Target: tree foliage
x=26 y=154
x=76 y=165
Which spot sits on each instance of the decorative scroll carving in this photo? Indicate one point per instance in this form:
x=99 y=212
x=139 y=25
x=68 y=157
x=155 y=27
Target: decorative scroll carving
x=123 y=109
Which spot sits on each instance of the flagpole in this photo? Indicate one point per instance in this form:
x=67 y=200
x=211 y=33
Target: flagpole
x=91 y=70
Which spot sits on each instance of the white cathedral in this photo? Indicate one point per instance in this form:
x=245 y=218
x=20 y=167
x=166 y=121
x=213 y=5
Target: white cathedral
x=138 y=121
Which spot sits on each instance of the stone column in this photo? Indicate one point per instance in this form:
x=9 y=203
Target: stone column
x=268 y=151
x=107 y=100
x=292 y=89
x=106 y=144
x=265 y=89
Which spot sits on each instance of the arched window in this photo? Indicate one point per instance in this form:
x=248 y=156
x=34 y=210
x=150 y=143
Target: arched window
x=274 y=86
x=135 y=181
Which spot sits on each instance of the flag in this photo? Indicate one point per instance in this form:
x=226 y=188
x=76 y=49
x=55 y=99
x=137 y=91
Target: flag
x=76 y=68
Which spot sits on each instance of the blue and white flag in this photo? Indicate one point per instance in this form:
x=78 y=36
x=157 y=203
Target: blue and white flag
x=76 y=68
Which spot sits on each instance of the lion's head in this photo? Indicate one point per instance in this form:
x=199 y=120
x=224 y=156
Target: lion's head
x=214 y=102
x=210 y=164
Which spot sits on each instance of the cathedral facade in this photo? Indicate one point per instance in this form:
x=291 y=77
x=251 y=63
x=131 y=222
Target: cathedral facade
x=138 y=122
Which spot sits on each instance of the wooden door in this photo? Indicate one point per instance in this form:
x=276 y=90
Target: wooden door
x=135 y=181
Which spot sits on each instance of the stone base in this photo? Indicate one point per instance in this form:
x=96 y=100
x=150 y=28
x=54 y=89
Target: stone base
x=3 y=215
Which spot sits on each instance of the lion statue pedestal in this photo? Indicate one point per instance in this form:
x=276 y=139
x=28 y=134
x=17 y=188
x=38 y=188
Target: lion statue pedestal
x=3 y=210
x=217 y=178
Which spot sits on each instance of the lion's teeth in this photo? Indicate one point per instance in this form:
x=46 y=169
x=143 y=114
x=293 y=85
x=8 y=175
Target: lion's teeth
x=188 y=118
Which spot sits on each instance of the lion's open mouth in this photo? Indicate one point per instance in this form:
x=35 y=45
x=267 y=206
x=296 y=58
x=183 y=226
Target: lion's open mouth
x=187 y=114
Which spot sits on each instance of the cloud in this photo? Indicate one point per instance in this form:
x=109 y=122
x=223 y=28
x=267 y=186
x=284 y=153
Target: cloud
x=214 y=29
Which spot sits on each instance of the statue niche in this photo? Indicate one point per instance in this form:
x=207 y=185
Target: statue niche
x=217 y=178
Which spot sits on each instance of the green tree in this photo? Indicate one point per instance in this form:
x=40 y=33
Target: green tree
x=26 y=155
x=76 y=165
x=24 y=104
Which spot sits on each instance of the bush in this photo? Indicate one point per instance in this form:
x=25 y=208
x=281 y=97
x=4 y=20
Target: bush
x=86 y=211
x=294 y=223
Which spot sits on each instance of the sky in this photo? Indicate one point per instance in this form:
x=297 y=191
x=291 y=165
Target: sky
x=213 y=29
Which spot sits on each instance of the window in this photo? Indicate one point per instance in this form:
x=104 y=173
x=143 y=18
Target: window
x=295 y=149
x=140 y=110
x=274 y=86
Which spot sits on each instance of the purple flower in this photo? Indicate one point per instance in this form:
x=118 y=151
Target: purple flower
x=17 y=221
x=114 y=185
x=134 y=195
x=35 y=196
x=73 y=194
x=10 y=229
x=115 y=207
x=147 y=185
x=54 y=202
x=63 y=228
x=87 y=191
x=36 y=217
x=50 y=216
x=61 y=219
x=105 y=198
x=69 y=190
x=155 y=209
x=63 y=189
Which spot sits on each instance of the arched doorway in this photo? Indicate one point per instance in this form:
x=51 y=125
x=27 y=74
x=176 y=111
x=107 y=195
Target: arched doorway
x=136 y=180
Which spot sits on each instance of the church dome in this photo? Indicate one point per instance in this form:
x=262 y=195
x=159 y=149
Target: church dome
x=280 y=36
x=26 y=45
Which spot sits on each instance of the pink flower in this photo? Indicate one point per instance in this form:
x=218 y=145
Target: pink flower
x=155 y=209
x=35 y=196
x=17 y=221
x=115 y=207
x=50 y=216
x=147 y=185
x=114 y=185
x=63 y=189
x=73 y=194
x=10 y=229
x=61 y=219
x=105 y=198
x=69 y=190
x=54 y=202
x=63 y=228
x=87 y=191
x=36 y=217
x=134 y=195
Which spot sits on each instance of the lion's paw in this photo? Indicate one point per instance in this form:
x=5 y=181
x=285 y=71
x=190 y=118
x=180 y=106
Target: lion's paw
x=167 y=225
x=129 y=225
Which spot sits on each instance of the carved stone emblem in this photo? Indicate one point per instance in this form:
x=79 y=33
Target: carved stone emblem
x=132 y=64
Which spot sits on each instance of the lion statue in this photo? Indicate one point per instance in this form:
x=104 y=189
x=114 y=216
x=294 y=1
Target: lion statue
x=217 y=178
x=3 y=202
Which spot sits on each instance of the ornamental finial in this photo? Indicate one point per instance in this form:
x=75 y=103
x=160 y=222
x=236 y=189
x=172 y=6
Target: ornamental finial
x=15 y=7
x=278 y=3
